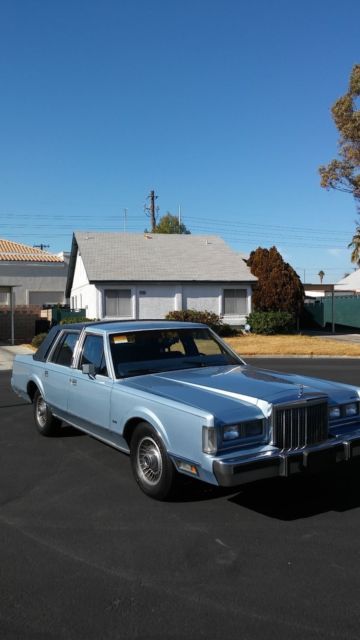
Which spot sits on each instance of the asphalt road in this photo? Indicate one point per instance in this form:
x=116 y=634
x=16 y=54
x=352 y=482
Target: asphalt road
x=85 y=555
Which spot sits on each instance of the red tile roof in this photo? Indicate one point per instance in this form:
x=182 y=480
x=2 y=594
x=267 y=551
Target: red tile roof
x=16 y=252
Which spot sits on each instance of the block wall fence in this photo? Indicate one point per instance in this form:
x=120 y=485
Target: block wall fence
x=25 y=318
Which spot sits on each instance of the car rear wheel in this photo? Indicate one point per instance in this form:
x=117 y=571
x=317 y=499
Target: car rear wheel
x=153 y=470
x=45 y=422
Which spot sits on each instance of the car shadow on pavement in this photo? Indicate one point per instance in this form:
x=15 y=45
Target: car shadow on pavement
x=191 y=490
x=67 y=431
x=304 y=496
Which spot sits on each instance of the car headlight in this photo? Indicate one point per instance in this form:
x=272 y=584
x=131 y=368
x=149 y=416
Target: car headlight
x=334 y=413
x=344 y=411
x=232 y=432
x=351 y=409
x=212 y=437
x=250 y=429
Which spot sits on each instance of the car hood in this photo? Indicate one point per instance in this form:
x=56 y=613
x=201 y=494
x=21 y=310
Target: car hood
x=220 y=390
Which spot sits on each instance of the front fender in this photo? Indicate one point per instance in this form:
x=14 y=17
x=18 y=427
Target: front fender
x=147 y=415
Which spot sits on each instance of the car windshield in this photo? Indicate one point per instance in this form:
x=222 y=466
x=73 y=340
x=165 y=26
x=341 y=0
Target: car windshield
x=141 y=352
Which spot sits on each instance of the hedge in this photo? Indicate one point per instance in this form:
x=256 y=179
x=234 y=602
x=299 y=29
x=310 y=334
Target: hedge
x=205 y=317
x=271 y=322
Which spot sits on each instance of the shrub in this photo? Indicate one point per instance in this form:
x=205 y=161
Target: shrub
x=37 y=340
x=271 y=322
x=205 y=317
x=226 y=330
x=73 y=320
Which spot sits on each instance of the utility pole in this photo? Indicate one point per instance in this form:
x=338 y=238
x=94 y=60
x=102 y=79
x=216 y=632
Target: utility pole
x=151 y=210
x=41 y=246
x=125 y=218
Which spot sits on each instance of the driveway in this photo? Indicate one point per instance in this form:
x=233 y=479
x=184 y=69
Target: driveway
x=85 y=555
x=7 y=354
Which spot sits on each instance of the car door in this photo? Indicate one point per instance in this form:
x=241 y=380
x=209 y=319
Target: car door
x=57 y=369
x=89 y=394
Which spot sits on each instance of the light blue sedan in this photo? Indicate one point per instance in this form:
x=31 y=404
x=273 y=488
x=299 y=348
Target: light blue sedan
x=178 y=400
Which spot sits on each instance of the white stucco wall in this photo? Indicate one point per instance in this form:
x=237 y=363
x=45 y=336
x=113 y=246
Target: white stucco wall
x=211 y=298
x=155 y=301
x=83 y=294
x=86 y=297
x=47 y=281
x=202 y=297
x=80 y=276
x=314 y=294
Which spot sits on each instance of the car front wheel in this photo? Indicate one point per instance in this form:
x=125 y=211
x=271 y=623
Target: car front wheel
x=153 y=470
x=45 y=422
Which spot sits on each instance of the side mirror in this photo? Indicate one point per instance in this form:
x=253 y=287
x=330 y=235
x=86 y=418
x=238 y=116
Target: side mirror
x=89 y=369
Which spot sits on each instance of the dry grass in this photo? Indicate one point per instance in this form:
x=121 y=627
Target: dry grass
x=296 y=345
x=292 y=345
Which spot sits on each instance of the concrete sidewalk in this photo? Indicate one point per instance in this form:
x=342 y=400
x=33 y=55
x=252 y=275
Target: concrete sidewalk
x=345 y=337
x=7 y=354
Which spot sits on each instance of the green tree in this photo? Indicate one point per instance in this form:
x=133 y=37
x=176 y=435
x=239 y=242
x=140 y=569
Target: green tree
x=170 y=224
x=279 y=287
x=343 y=173
x=355 y=246
x=321 y=275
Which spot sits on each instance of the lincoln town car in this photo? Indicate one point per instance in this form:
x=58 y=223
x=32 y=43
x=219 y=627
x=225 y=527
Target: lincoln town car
x=178 y=400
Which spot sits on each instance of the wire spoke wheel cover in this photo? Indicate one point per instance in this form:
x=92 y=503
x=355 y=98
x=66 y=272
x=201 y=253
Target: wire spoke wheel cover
x=45 y=422
x=153 y=470
x=41 y=411
x=149 y=460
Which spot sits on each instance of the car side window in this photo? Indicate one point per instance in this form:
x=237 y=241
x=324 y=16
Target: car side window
x=64 y=350
x=93 y=353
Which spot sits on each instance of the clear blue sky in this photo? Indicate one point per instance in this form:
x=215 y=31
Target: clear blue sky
x=222 y=107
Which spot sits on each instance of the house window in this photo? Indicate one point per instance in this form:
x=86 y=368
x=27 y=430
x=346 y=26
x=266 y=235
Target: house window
x=4 y=298
x=235 y=302
x=118 y=303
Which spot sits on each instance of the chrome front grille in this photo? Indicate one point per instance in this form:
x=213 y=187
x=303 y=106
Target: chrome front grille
x=300 y=424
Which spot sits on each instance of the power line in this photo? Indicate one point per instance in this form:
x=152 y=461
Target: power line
x=223 y=223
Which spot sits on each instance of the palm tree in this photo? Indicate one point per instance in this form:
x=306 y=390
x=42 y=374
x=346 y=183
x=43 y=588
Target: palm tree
x=321 y=275
x=355 y=246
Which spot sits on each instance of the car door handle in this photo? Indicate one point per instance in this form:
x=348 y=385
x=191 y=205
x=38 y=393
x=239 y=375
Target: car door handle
x=73 y=381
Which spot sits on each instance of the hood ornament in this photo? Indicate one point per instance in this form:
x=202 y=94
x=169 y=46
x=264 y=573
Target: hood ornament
x=301 y=391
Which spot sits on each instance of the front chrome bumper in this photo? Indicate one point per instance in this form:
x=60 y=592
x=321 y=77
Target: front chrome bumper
x=233 y=472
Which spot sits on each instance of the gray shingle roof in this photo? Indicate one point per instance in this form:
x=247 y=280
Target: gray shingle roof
x=159 y=257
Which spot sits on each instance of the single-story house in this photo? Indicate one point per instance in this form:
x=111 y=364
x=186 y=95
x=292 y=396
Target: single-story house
x=37 y=277
x=350 y=284
x=144 y=276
